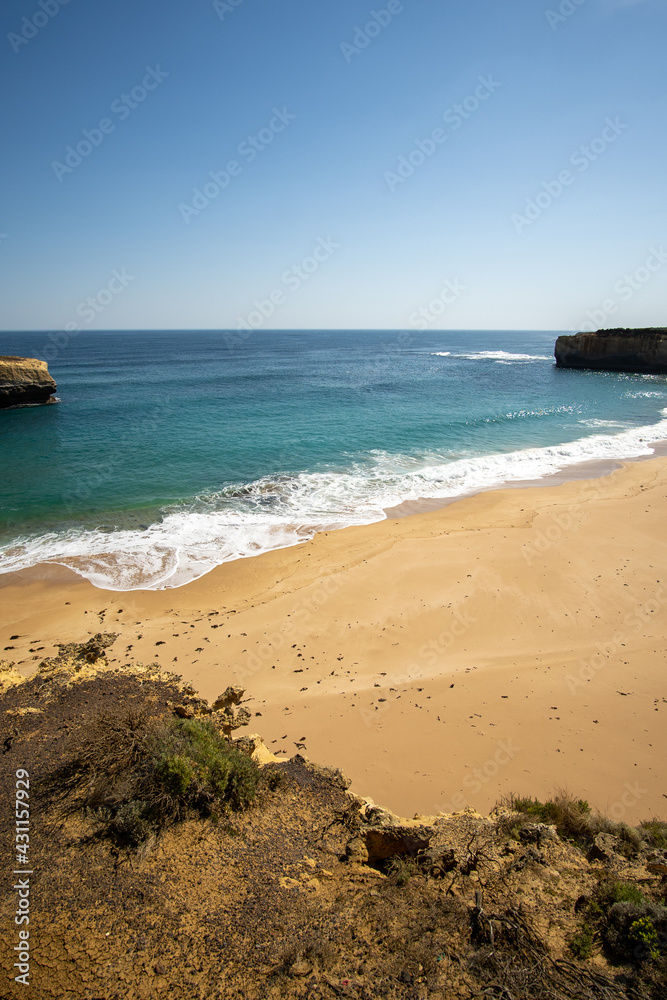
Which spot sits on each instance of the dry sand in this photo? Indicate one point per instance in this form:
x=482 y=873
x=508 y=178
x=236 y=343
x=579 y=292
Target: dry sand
x=512 y=641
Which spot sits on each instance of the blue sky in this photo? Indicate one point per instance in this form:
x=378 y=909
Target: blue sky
x=329 y=128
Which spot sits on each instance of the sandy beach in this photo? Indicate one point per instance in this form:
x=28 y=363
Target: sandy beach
x=512 y=641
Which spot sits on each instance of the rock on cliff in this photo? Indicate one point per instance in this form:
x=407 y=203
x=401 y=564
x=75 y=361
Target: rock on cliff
x=615 y=350
x=25 y=381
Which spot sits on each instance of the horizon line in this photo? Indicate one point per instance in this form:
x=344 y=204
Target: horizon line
x=308 y=329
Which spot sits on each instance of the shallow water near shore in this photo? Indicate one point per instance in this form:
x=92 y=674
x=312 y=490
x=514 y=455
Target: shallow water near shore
x=173 y=452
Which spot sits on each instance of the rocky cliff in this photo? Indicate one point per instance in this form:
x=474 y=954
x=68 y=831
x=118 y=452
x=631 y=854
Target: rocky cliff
x=25 y=381
x=615 y=350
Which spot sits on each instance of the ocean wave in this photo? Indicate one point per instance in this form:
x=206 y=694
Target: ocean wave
x=595 y=422
x=281 y=511
x=504 y=357
x=441 y=354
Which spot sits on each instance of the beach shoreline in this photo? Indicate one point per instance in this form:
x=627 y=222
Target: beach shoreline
x=510 y=641
x=596 y=468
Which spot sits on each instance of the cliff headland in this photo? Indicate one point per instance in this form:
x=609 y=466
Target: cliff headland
x=621 y=350
x=25 y=382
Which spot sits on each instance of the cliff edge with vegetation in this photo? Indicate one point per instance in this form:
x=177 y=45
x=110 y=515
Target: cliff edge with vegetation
x=25 y=382
x=167 y=860
x=621 y=350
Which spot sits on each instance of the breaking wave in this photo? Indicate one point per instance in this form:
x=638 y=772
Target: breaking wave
x=504 y=357
x=276 y=512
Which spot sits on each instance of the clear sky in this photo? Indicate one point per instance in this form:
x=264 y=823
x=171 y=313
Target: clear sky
x=516 y=150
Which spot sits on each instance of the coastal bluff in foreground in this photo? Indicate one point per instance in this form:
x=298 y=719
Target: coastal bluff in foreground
x=619 y=350
x=25 y=382
x=166 y=860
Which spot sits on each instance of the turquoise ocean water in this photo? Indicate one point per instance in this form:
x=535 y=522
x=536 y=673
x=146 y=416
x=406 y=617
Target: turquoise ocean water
x=172 y=452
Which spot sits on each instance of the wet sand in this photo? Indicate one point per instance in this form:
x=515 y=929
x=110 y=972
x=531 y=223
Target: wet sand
x=509 y=641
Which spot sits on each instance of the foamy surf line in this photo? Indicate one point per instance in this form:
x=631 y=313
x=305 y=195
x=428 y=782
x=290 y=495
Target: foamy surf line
x=281 y=512
x=500 y=357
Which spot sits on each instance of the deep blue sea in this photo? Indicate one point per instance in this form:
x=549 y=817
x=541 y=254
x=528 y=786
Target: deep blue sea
x=172 y=452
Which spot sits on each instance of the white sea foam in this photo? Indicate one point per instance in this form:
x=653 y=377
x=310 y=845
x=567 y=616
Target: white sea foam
x=277 y=512
x=504 y=357
x=441 y=354
x=595 y=422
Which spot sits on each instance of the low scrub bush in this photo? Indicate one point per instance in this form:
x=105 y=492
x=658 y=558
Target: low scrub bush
x=634 y=931
x=135 y=776
x=582 y=942
x=571 y=817
x=632 y=927
x=575 y=820
x=400 y=870
x=611 y=891
x=654 y=832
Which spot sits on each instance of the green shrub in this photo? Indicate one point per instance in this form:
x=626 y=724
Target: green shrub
x=197 y=766
x=552 y=810
x=131 y=824
x=611 y=891
x=571 y=817
x=654 y=832
x=630 y=925
x=629 y=839
x=581 y=944
x=529 y=807
x=177 y=773
x=138 y=775
x=644 y=936
x=400 y=870
x=631 y=929
x=574 y=820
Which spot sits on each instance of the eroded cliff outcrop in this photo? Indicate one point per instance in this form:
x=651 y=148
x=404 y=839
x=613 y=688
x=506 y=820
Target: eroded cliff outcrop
x=25 y=382
x=619 y=350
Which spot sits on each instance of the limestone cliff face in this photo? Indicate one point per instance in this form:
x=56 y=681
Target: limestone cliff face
x=25 y=381
x=615 y=350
